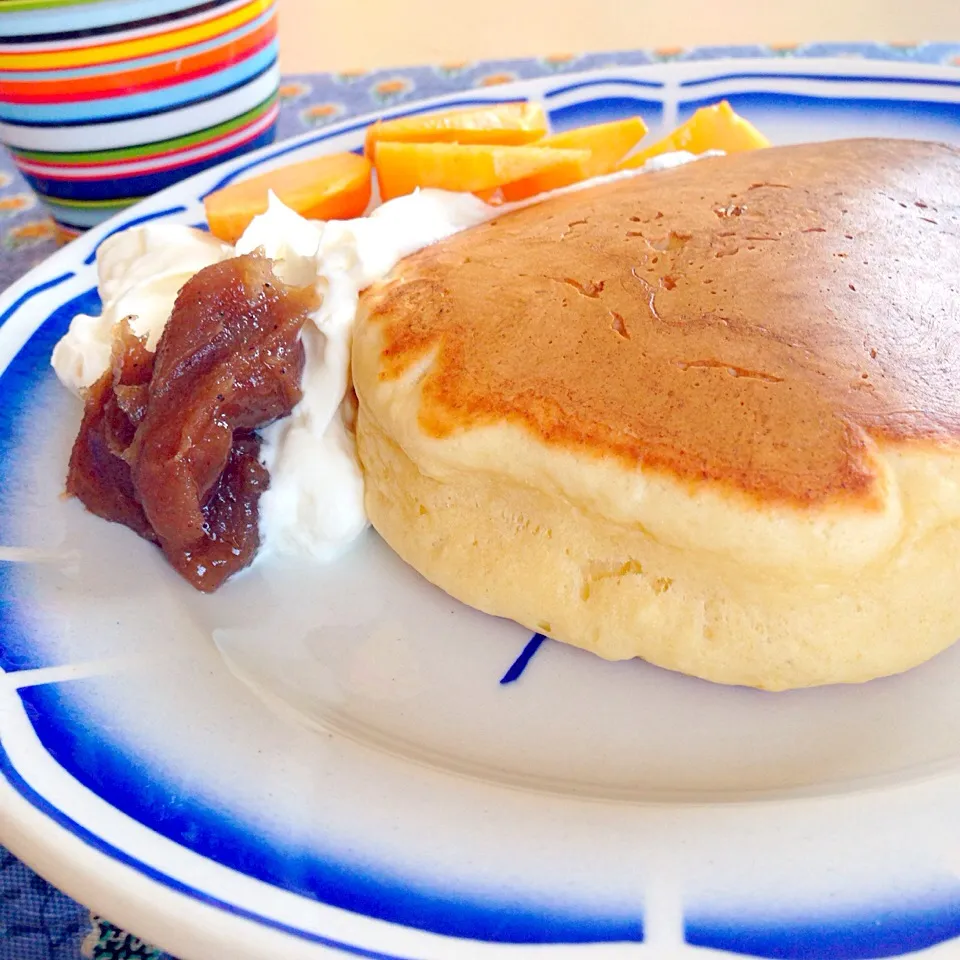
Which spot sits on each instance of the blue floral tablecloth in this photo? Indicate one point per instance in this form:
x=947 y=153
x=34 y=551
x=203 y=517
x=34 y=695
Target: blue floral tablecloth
x=37 y=922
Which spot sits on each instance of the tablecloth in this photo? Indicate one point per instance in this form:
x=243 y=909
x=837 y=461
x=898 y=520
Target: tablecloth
x=37 y=922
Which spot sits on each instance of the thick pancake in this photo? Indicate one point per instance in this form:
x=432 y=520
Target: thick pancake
x=707 y=417
x=744 y=319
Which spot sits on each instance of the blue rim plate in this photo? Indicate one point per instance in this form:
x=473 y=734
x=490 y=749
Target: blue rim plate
x=344 y=761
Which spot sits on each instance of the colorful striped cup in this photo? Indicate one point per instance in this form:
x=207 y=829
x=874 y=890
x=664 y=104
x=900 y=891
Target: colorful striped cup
x=103 y=102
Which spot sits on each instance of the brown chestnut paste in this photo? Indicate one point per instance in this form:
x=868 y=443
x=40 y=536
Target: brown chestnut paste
x=167 y=444
x=98 y=475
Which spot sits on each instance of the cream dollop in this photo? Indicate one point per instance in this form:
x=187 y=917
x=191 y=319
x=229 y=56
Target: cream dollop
x=139 y=273
x=314 y=505
x=677 y=158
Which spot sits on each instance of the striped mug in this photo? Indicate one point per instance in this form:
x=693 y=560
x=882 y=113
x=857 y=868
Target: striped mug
x=103 y=102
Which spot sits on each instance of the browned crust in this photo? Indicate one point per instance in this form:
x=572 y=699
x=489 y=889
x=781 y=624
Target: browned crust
x=749 y=320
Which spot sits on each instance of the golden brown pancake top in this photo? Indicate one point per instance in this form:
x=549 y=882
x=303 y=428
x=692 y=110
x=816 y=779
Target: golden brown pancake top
x=748 y=320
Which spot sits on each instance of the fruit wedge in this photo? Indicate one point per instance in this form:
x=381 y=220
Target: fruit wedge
x=716 y=127
x=473 y=168
x=334 y=187
x=608 y=144
x=507 y=124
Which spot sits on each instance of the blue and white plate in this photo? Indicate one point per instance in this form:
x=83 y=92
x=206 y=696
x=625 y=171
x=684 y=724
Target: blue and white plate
x=345 y=761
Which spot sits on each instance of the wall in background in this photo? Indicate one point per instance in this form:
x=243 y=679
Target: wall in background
x=343 y=34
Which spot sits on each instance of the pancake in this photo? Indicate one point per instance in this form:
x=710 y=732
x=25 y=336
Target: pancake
x=707 y=416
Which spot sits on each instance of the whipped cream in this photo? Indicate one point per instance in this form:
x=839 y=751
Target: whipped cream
x=314 y=505
x=139 y=273
x=313 y=508
x=676 y=158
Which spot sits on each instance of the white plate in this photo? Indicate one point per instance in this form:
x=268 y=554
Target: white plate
x=327 y=760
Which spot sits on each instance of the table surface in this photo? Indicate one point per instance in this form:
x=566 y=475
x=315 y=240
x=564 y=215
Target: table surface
x=36 y=921
x=344 y=34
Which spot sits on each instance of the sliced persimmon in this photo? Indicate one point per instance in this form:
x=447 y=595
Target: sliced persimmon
x=471 y=168
x=717 y=127
x=334 y=187
x=608 y=144
x=506 y=124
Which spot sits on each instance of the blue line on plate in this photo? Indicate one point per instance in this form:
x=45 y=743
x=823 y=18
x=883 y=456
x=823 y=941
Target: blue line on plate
x=520 y=664
x=30 y=294
x=922 y=81
x=12 y=776
x=867 y=935
x=124 y=779
x=610 y=81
